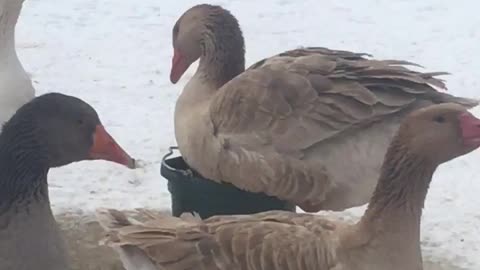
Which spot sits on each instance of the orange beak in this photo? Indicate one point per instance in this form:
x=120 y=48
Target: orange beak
x=179 y=66
x=104 y=147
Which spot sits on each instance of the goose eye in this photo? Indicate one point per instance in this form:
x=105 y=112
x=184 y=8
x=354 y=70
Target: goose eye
x=439 y=119
x=80 y=122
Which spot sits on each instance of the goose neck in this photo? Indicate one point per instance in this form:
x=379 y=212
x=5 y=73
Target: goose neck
x=395 y=210
x=23 y=166
x=223 y=50
x=9 y=13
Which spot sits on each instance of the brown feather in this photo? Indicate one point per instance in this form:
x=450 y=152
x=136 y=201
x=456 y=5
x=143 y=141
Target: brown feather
x=274 y=100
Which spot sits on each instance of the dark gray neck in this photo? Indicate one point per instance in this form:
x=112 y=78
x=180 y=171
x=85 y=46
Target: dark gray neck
x=29 y=236
x=23 y=166
x=223 y=49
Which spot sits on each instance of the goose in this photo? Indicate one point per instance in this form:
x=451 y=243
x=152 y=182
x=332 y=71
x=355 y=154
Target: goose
x=309 y=126
x=16 y=86
x=386 y=237
x=51 y=130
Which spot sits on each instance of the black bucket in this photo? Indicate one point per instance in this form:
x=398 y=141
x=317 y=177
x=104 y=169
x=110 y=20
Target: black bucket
x=190 y=192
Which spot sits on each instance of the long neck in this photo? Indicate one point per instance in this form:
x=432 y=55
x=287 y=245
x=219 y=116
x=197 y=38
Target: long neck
x=29 y=235
x=223 y=50
x=23 y=167
x=9 y=13
x=395 y=209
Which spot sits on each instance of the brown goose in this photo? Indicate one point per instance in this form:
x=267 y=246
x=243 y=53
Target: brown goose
x=387 y=237
x=52 y=130
x=309 y=126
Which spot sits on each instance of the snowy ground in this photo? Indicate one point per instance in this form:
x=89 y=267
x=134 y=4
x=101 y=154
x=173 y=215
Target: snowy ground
x=115 y=54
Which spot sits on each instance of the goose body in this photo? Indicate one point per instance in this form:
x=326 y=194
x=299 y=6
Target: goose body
x=32 y=231
x=16 y=86
x=386 y=237
x=310 y=126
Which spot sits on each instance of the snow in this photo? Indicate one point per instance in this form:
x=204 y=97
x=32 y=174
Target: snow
x=116 y=55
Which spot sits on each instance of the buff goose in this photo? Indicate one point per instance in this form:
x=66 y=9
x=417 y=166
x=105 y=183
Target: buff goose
x=50 y=131
x=15 y=85
x=386 y=237
x=309 y=126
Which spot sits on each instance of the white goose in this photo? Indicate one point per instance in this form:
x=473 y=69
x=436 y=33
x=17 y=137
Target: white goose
x=16 y=86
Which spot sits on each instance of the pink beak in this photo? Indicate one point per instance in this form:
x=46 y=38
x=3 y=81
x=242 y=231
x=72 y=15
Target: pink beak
x=179 y=66
x=470 y=126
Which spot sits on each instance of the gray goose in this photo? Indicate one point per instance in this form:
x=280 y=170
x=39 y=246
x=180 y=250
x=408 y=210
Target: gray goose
x=50 y=131
x=309 y=126
x=386 y=237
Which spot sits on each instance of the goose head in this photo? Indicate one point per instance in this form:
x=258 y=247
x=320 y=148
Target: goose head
x=206 y=31
x=68 y=128
x=186 y=41
x=440 y=133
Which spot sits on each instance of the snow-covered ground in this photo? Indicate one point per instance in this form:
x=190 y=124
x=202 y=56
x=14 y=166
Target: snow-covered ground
x=116 y=55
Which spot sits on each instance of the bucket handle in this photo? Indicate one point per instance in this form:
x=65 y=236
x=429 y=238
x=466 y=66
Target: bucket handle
x=171 y=149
